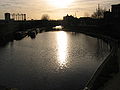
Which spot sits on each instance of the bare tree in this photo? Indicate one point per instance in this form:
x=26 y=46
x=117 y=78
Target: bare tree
x=99 y=13
x=45 y=17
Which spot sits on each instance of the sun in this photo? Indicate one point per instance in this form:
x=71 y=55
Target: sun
x=60 y=3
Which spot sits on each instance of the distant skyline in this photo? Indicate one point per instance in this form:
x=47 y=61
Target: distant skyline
x=36 y=8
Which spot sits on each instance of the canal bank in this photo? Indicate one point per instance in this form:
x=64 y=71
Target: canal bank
x=113 y=83
x=104 y=72
x=110 y=81
x=7 y=29
x=107 y=76
x=108 y=72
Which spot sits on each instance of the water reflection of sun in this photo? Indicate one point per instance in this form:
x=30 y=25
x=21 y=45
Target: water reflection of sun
x=62 y=49
x=60 y=3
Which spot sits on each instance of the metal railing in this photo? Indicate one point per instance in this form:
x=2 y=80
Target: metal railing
x=97 y=72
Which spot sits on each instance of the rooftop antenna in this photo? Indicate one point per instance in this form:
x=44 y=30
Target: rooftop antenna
x=98 y=6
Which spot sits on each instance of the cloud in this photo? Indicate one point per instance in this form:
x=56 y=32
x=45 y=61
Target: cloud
x=36 y=7
x=5 y=5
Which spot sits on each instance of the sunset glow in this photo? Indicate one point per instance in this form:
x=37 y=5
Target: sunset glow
x=56 y=9
x=60 y=3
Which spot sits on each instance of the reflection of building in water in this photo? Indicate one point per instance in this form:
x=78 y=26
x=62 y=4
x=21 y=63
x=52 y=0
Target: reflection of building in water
x=14 y=16
x=103 y=48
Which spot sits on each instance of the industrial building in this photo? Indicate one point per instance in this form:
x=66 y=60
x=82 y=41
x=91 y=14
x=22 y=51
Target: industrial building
x=18 y=17
x=7 y=16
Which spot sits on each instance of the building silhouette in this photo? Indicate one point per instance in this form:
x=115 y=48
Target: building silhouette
x=18 y=16
x=7 y=16
x=116 y=11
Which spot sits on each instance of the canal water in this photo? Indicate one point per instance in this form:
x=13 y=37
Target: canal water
x=52 y=61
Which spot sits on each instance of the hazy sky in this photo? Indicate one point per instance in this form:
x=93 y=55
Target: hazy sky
x=36 y=8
